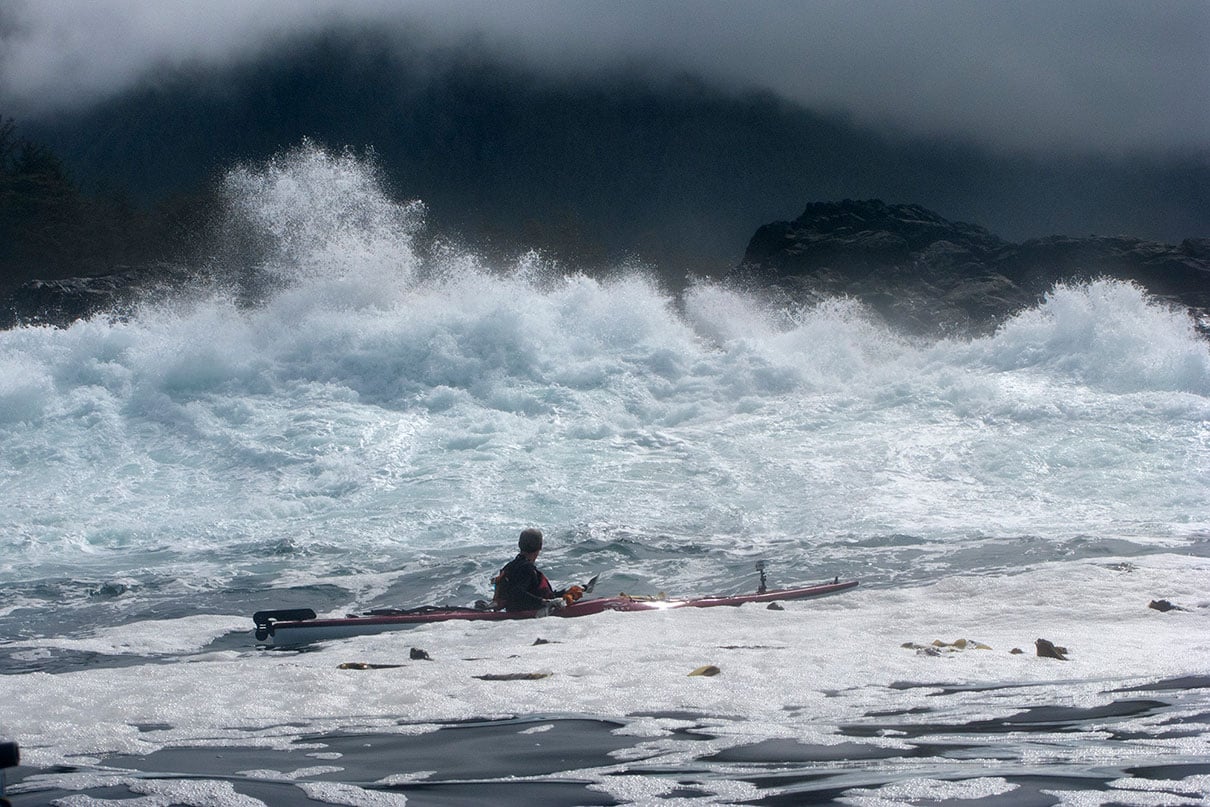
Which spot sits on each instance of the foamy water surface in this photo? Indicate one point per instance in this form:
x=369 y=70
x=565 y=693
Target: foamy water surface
x=379 y=424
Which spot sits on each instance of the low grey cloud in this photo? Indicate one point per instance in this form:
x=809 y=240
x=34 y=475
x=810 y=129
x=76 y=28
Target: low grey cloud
x=1111 y=75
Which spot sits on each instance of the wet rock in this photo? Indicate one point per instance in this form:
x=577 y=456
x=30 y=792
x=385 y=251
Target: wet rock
x=1048 y=649
x=939 y=647
x=928 y=274
x=116 y=293
x=364 y=665
x=962 y=644
x=534 y=676
x=706 y=670
x=1164 y=606
x=773 y=606
x=416 y=654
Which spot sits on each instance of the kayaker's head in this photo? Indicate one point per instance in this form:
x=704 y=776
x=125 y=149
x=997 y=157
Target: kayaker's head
x=530 y=542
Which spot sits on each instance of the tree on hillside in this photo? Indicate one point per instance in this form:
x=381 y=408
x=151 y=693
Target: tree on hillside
x=39 y=207
x=51 y=227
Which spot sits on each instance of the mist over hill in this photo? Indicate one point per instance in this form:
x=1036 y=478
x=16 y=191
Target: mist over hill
x=665 y=170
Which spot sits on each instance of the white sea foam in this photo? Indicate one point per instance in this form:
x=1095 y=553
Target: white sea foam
x=795 y=673
x=351 y=795
x=161 y=637
x=374 y=427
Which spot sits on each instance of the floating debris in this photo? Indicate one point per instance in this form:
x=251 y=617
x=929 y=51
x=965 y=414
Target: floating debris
x=706 y=670
x=364 y=665
x=534 y=676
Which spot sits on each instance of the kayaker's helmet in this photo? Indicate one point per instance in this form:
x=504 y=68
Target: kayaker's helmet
x=531 y=540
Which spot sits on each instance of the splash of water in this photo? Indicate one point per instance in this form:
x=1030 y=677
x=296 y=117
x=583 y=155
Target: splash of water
x=378 y=403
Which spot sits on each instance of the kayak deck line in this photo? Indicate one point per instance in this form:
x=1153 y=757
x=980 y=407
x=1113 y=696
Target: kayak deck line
x=299 y=626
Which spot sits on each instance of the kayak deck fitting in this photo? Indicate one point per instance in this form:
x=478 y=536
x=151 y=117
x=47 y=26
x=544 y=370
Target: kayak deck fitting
x=300 y=626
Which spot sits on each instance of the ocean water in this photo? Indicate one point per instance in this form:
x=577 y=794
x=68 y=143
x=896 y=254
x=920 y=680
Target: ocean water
x=350 y=421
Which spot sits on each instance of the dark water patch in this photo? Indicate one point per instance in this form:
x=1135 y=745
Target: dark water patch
x=1201 y=718
x=524 y=747
x=237 y=641
x=883 y=541
x=68 y=607
x=1178 y=726
x=80 y=617
x=945 y=687
x=915 y=710
x=280 y=549
x=620 y=547
x=687 y=793
x=1180 y=683
x=66 y=591
x=1035 y=719
x=1013 y=555
x=1071 y=718
x=61 y=660
x=783 y=752
x=111 y=591
x=457 y=794
x=152 y=726
x=904 y=559
x=827 y=795
x=1170 y=772
x=543 y=759
x=1092 y=546
x=447 y=762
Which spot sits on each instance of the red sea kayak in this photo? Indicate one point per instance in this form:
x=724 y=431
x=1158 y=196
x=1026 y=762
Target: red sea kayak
x=300 y=626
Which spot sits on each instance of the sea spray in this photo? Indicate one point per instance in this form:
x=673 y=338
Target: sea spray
x=383 y=402
x=1110 y=334
x=318 y=213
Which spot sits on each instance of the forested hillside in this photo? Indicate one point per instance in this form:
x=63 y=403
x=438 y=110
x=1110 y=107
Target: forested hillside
x=670 y=171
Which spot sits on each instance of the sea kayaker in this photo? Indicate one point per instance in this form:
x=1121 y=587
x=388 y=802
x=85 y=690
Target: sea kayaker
x=520 y=586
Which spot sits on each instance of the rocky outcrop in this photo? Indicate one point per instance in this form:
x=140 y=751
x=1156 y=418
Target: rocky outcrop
x=931 y=275
x=1048 y=649
x=61 y=302
x=920 y=271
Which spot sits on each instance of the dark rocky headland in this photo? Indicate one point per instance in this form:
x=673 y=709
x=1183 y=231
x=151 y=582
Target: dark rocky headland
x=921 y=272
x=929 y=275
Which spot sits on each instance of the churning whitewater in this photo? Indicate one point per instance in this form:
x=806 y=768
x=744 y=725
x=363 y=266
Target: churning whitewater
x=343 y=419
